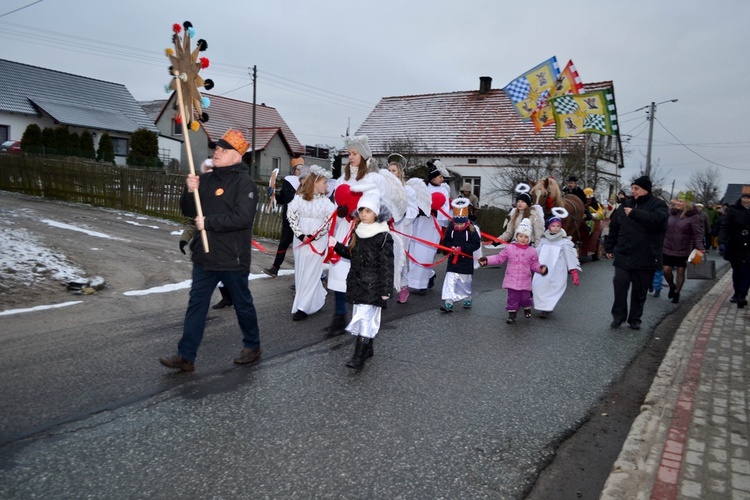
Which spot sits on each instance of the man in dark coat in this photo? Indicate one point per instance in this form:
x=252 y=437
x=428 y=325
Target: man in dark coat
x=229 y=198
x=571 y=187
x=635 y=240
x=734 y=240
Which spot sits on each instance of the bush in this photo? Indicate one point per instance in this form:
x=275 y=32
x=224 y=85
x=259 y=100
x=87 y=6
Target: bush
x=144 y=149
x=86 y=149
x=31 y=140
x=106 y=151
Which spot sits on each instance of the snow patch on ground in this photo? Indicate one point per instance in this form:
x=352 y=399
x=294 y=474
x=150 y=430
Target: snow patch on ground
x=25 y=260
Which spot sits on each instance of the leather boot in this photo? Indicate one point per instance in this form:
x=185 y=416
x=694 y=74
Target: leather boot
x=225 y=301
x=338 y=325
x=360 y=349
x=511 y=317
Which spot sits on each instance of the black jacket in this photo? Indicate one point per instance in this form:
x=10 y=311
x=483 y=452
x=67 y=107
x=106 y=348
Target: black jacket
x=229 y=198
x=370 y=277
x=734 y=233
x=637 y=240
x=469 y=242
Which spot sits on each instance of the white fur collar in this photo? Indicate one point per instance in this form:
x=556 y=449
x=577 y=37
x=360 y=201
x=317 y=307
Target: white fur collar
x=370 y=230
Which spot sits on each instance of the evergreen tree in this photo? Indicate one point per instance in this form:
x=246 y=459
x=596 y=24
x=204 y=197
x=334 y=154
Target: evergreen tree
x=49 y=141
x=106 y=151
x=62 y=137
x=144 y=149
x=31 y=140
x=87 y=145
x=74 y=144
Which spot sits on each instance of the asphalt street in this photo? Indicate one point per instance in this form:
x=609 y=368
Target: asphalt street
x=451 y=406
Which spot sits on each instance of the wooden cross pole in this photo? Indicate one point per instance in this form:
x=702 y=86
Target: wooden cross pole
x=186 y=128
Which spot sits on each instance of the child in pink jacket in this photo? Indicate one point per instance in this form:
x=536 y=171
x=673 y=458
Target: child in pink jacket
x=522 y=261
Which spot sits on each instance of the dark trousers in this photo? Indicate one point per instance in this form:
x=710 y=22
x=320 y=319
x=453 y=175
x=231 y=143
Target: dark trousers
x=204 y=282
x=740 y=278
x=638 y=281
x=287 y=236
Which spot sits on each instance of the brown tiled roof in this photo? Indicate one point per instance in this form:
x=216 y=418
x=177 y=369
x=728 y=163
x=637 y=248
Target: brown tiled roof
x=461 y=124
x=225 y=113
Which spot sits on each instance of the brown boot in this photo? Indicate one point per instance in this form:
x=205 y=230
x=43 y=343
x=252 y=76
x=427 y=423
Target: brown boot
x=177 y=362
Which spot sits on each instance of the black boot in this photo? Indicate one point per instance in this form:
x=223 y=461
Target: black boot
x=511 y=317
x=362 y=351
x=338 y=325
x=225 y=301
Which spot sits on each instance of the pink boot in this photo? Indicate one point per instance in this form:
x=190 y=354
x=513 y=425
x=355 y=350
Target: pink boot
x=403 y=295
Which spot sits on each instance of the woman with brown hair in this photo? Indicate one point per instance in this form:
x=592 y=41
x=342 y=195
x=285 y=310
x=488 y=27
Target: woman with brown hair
x=682 y=237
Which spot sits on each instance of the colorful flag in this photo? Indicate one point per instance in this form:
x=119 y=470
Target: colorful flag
x=529 y=89
x=592 y=112
x=567 y=83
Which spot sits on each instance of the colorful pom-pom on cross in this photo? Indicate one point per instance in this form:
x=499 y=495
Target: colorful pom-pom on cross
x=205 y=102
x=191 y=32
x=194 y=126
x=204 y=62
x=169 y=51
x=176 y=28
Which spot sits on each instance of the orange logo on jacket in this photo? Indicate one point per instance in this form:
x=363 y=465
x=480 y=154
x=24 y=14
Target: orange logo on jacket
x=219 y=191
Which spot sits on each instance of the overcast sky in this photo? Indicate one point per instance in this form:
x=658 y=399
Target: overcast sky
x=326 y=64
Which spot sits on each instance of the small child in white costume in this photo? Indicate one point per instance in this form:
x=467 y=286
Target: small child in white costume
x=557 y=252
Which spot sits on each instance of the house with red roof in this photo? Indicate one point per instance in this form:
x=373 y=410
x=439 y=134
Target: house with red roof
x=476 y=132
x=275 y=143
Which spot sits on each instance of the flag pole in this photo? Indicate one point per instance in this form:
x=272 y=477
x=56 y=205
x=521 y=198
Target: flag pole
x=186 y=128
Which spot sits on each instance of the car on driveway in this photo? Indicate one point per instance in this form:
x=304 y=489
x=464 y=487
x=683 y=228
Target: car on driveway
x=10 y=147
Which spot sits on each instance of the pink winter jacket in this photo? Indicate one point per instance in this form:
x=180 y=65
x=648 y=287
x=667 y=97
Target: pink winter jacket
x=522 y=260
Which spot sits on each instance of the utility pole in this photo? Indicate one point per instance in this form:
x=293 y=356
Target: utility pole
x=651 y=116
x=252 y=157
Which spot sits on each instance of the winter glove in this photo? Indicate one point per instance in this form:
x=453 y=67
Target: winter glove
x=342 y=211
x=576 y=279
x=182 y=246
x=544 y=271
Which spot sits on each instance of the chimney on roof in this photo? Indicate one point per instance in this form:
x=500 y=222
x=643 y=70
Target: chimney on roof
x=485 y=84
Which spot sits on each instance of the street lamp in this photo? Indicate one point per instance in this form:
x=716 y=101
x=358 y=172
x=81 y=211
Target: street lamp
x=651 y=134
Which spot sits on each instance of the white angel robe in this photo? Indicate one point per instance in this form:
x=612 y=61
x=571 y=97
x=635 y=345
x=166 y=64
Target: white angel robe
x=558 y=253
x=425 y=228
x=309 y=217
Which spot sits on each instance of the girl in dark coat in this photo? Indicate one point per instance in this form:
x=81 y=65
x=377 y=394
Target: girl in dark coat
x=734 y=238
x=464 y=238
x=370 y=279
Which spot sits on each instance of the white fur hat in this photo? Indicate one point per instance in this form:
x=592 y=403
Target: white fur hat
x=370 y=197
x=524 y=227
x=359 y=143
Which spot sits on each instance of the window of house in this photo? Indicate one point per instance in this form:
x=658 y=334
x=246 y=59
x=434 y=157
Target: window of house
x=121 y=146
x=472 y=161
x=176 y=127
x=276 y=163
x=524 y=161
x=4 y=133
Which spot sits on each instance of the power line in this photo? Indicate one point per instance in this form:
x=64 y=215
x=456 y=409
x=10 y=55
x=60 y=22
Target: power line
x=696 y=153
x=83 y=45
x=20 y=8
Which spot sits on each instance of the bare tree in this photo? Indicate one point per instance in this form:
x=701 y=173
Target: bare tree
x=705 y=185
x=506 y=177
x=413 y=150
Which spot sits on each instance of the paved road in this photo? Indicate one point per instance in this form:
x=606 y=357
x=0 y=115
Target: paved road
x=450 y=406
